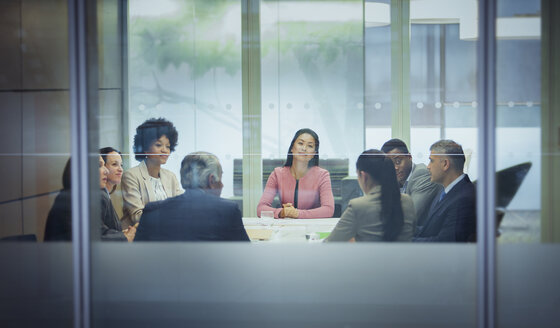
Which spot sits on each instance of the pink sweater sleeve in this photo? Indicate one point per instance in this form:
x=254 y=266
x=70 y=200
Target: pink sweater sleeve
x=326 y=210
x=270 y=191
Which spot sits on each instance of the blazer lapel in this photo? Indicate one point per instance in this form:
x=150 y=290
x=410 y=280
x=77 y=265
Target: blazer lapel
x=147 y=182
x=437 y=205
x=433 y=207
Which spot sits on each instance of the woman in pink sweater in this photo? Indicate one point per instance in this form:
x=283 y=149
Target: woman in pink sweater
x=303 y=187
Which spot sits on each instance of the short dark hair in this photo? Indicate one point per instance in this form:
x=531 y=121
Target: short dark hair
x=395 y=143
x=150 y=131
x=452 y=150
x=315 y=160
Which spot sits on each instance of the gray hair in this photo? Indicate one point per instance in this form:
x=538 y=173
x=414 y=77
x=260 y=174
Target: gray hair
x=452 y=150
x=197 y=167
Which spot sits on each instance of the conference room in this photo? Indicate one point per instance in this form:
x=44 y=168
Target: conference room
x=239 y=79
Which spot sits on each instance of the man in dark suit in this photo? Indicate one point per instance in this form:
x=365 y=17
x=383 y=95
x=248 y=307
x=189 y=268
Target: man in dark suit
x=452 y=215
x=199 y=213
x=414 y=179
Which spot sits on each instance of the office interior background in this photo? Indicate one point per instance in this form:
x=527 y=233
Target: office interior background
x=238 y=78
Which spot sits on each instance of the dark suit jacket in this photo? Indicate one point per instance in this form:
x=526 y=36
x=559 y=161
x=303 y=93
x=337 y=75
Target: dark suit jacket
x=194 y=215
x=453 y=219
x=422 y=191
x=59 y=221
x=110 y=224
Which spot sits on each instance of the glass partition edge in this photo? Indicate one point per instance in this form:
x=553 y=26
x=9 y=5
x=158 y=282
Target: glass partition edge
x=486 y=229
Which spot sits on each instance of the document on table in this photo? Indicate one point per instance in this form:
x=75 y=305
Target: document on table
x=259 y=234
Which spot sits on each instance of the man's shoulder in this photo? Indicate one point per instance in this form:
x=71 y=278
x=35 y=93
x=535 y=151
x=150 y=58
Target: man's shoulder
x=198 y=197
x=420 y=179
x=465 y=186
x=225 y=203
x=406 y=199
x=461 y=195
x=168 y=203
x=420 y=170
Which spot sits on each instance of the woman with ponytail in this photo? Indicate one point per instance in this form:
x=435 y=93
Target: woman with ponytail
x=382 y=214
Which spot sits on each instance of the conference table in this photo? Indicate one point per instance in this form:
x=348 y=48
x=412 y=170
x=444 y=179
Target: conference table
x=288 y=230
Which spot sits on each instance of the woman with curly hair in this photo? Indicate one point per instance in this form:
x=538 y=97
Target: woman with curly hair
x=154 y=141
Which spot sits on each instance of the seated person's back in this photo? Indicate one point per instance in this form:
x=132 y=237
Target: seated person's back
x=382 y=214
x=199 y=213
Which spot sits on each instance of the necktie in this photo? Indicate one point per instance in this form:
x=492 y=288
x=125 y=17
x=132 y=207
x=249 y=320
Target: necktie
x=442 y=195
x=403 y=188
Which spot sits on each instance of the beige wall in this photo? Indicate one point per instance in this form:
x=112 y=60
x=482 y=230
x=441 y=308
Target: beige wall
x=34 y=104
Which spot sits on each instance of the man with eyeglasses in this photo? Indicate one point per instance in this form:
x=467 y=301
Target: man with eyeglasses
x=414 y=179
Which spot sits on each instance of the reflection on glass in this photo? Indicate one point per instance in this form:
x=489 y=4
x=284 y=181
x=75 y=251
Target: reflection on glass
x=443 y=76
x=377 y=73
x=518 y=114
x=185 y=66
x=312 y=77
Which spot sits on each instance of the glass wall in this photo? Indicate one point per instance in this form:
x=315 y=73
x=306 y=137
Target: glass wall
x=526 y=158
x=356 y=72
x=325 y=66
x=443 y=82
x=377 y=59
x=35 y=139
x=518 y=113
x=312 y=77
x=185 y=65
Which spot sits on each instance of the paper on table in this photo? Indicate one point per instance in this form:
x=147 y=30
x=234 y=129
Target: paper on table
x=259 y=234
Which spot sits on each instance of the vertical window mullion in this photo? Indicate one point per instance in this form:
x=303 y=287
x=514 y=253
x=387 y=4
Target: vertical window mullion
x=251 y=77
x=400 y=69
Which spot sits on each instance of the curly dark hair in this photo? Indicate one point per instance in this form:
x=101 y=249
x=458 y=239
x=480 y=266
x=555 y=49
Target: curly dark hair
x=150 y=131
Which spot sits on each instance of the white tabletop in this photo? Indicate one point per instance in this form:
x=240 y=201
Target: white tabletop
x=288 y=230
x=286 y=222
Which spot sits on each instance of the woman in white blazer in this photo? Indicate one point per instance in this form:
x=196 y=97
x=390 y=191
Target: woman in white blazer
x=154 y=141
x=382 y=214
